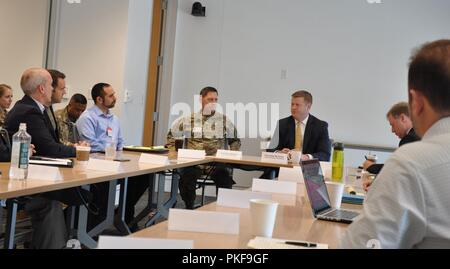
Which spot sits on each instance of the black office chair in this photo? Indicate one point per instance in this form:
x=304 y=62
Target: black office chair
x=202 y=183
x=205 y=179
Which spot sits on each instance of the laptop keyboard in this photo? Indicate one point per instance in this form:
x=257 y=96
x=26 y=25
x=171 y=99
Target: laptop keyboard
x=341 y=214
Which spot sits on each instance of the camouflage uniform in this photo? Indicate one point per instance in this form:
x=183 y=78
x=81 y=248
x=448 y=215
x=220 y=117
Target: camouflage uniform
x=67 y=129
x=3 y=114
x=208 y=133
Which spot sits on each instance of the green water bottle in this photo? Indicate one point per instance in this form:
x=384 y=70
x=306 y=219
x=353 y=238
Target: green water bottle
x=337 y=171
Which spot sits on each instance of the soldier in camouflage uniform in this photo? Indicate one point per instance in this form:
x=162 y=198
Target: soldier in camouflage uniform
x=206 y=130
x=66 y=118
x=6 y=96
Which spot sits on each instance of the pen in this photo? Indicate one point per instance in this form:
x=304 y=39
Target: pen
x=302 y=244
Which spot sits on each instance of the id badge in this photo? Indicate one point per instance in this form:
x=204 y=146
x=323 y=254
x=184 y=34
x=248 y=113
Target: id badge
x=109 y=132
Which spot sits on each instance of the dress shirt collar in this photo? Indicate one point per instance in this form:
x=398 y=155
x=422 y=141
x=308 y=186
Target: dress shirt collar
x=409 y=131
x=40 y=105
x=303 y=122
x=99 y=112
x=440 y=127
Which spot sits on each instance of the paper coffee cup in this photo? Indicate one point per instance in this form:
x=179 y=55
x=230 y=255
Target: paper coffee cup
x=83 y=153
x=335 y=191
x=263 y=215
x=296 y=156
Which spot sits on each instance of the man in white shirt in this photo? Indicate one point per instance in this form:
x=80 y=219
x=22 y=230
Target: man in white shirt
x=407 y=206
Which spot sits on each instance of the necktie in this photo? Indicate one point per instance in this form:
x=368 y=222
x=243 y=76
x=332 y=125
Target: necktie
x=50 y=116
x=298 y=136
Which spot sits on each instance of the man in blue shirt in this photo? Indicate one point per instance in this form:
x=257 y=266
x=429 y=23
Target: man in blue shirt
x=98 y=126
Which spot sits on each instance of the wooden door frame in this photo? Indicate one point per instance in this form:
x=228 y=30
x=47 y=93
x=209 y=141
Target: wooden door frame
x=153 y=71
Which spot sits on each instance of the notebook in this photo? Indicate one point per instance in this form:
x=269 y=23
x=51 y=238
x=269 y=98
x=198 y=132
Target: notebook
x=154 y=150
x=51 y=161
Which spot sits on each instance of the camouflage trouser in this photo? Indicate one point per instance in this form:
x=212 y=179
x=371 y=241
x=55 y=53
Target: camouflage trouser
x=221 y=174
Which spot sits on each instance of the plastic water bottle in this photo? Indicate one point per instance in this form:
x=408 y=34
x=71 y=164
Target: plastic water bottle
x=337 y=170
x=20 y=154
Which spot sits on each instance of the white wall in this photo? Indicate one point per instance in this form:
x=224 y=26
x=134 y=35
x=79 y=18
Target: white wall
x=106 y=41
x=136 y=69
x=350 y=54
x=23 y=30
x=90 y=45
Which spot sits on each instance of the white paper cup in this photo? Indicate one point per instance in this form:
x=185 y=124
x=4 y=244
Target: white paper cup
x=263 y=214
x=335 y=192
x=296 y=156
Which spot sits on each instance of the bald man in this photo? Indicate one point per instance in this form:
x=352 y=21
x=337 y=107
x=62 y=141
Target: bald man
x=37 y=86
x=45 y=209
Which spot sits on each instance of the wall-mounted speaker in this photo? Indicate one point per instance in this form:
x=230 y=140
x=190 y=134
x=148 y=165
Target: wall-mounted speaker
x=198 y=10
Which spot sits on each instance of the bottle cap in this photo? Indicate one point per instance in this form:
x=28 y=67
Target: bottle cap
x=339 y=146
x=23 y=126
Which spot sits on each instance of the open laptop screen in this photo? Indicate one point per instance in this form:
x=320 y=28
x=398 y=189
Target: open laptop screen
x=315 y=186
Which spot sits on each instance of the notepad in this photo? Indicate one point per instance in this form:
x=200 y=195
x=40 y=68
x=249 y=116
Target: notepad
x=273 y=243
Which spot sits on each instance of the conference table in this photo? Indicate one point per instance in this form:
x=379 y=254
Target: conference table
x=77 y=176
x=80 y=176
x=293 y=222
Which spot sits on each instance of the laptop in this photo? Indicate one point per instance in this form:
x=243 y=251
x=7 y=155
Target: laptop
x=318 y=195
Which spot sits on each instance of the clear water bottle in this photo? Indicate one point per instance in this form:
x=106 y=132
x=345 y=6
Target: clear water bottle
x=337 y=171
x=20 y=154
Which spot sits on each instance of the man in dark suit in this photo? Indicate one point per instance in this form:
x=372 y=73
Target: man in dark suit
x=401 y=126
x=59 y=90
x=302 y=132
x=45 y=209
x=5 y=146
x=32 y=110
